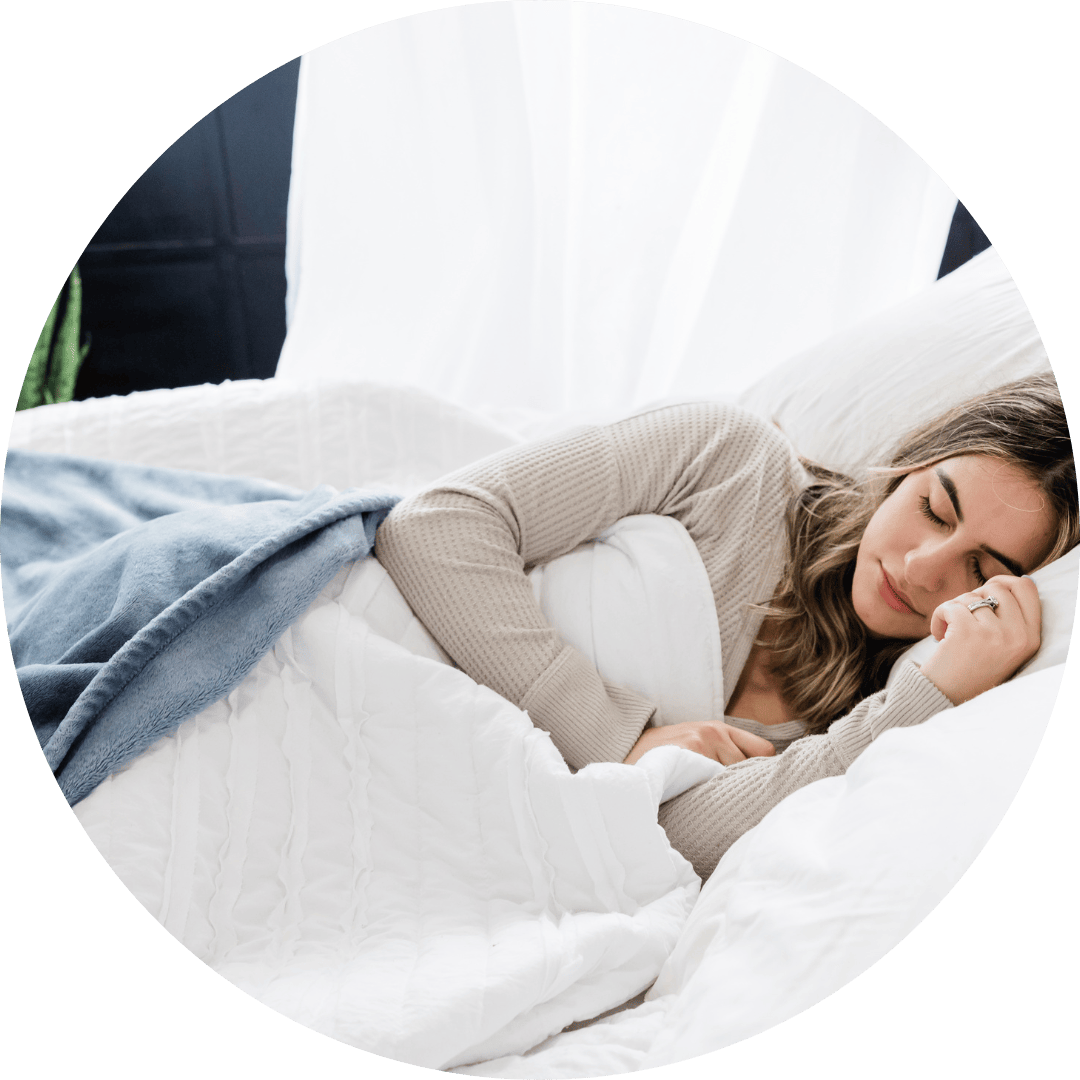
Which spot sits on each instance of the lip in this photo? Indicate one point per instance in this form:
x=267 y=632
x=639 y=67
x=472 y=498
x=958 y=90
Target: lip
x=893 y=597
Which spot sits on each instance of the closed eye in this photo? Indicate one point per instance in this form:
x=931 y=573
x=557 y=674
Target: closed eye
x=929 y=514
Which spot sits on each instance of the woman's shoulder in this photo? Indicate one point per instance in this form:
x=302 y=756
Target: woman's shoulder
x=713 y=414
x=713 y=427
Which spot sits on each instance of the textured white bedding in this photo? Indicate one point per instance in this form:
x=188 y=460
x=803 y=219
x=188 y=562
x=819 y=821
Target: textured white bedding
x=246 y=844
x=828 y=883
x=369 y=842
x=823 y=888
x=344 y=434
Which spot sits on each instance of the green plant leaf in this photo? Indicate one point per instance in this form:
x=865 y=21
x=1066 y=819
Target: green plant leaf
x=65 y=359
x=33 y=387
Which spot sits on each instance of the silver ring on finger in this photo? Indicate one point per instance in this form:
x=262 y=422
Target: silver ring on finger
x=989 y=602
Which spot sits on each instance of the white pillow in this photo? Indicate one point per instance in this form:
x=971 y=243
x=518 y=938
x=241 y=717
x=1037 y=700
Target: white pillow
x=844 y=401
x=638 y=603
x=1057 y=584
x=847 y=400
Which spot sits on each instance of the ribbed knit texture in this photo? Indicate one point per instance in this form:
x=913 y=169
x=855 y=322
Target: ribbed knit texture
x=459 y=553
x=705 y=821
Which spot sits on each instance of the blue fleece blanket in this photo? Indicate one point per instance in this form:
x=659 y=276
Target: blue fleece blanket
x=137 y=596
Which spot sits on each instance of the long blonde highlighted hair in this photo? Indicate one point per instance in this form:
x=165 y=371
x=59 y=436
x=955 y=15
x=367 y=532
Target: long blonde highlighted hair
x=820 y=653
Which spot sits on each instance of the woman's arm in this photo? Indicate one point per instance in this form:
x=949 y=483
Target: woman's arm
x=978 y=650
x=706 y=820
x=459 y=552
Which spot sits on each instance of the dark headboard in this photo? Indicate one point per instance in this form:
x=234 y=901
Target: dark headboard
x=184 y=283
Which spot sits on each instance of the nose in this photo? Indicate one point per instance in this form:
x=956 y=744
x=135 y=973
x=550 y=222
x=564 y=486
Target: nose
x=928 y=566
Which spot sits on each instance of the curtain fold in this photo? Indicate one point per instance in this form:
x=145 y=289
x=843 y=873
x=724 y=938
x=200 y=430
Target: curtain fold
x=565 y=207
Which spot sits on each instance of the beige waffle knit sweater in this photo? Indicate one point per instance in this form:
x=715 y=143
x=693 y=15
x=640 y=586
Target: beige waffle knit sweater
x=460 y=551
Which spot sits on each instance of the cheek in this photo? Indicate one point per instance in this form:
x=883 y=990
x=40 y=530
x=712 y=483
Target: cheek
x=863 y=582
x=876 y=536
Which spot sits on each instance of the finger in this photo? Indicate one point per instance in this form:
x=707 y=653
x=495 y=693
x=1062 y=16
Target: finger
x=1020 y=596
x=1027 y=596
x=1007 y=612
x=1019 y=613
x=1011 y=629
x=998 y=588
x=1007 y=606
x=720 y=746
x=945 y=615
x=952 y=614
x=751 y=745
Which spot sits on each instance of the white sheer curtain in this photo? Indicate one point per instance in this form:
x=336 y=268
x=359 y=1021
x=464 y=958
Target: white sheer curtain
x=566 y=206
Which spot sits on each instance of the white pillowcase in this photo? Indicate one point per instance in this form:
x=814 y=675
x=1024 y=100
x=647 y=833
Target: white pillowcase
x=638 y=603
x=845 y=401
x=1057 y=590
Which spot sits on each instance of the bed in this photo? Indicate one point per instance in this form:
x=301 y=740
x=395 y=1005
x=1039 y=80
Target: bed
x=248 y=836
x=239 y=832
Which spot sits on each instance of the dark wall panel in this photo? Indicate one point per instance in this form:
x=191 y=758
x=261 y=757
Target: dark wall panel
x=964 y=242
x=256 y=128
x=262 y=290
x=177 y=199
x=184 y=282
x=156 y=325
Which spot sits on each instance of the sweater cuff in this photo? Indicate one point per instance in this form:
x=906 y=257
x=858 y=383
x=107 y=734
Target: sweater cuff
x=588 y=719
x=912 y=700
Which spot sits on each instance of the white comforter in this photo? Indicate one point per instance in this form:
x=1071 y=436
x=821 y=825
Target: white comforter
x=827 y=884
x=371 y=843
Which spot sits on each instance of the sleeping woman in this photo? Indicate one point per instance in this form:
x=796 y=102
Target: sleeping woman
x=820 y=582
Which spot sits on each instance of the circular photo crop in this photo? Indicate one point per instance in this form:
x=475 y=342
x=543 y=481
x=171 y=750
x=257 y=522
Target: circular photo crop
x=539 y=540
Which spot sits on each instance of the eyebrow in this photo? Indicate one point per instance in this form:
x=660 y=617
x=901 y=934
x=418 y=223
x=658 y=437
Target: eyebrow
x=1011 y=565
x=950 y=490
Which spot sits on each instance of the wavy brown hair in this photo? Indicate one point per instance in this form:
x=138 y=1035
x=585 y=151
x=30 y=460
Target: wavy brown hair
x=821 y=654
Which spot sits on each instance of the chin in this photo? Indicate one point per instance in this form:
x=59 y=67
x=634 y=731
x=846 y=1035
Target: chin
x=890 y=625
x=874 y=630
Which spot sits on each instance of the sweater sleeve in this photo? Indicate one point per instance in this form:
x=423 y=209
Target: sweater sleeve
x=705 y=821
x=460 y=551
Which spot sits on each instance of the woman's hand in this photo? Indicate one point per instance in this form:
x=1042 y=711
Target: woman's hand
x=713 y=738
x=980 y=649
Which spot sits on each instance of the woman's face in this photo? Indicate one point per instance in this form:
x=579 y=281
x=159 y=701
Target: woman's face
x=944 y=531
